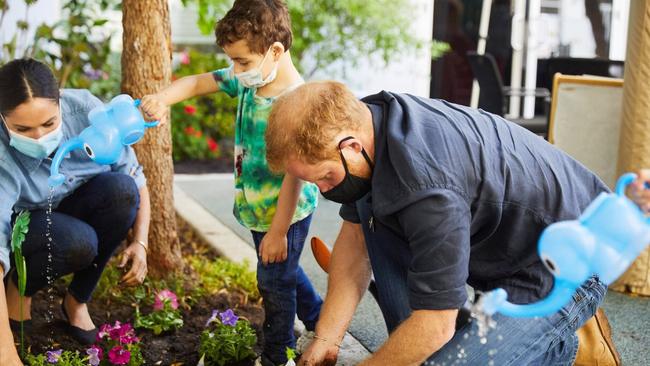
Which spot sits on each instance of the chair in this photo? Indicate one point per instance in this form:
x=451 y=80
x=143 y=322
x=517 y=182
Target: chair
x=494 y=95
x=585 y=121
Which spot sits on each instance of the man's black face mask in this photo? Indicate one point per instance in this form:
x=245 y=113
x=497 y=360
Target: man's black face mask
x=352 y=188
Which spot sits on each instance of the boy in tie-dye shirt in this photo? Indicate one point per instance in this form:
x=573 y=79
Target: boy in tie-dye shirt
x=256 y=35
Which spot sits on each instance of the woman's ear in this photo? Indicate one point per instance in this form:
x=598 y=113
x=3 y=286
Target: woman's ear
x=277 y=50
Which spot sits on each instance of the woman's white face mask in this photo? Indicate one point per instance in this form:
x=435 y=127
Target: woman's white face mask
x=36 y=148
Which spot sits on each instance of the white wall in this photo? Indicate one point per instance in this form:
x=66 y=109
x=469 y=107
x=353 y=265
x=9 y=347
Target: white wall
x=408 y=73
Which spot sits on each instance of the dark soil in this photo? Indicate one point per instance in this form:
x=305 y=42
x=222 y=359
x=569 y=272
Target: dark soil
x=176 y=348
x=218 y=165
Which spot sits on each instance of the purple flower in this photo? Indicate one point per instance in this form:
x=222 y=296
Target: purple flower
x=95 y=355
x=94 y=74
x=163 y=297
x=228 y=317
x=119 y=356
x=213 y=317
x=53 y=356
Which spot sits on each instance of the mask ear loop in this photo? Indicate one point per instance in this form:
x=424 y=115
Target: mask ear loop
x=345 y=163
x=363 y=152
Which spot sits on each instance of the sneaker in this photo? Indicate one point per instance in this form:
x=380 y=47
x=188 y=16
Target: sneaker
x=304 y=341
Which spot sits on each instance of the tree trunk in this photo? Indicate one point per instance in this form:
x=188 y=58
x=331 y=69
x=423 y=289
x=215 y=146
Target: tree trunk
x=146 y=68
x=634 y=147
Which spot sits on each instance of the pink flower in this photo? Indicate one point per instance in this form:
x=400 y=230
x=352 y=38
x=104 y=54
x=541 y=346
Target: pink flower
x=185 y=58
x=104 y=331
x=119 y=356
x=190 y=110
x=129 y=339
x=165 y=296
x=120 y=330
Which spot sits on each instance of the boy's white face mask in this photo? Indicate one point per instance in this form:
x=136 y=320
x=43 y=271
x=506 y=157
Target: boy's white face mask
x=253 y=78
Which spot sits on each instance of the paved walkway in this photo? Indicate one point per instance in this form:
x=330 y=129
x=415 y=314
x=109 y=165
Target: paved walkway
x=629 y=316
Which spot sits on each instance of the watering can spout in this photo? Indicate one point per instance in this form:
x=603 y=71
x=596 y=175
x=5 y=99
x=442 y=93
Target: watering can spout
x=496 y=301
x=56 y=178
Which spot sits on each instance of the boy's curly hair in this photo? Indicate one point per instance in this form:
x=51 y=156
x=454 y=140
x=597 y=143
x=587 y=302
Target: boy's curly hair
x=259 y=22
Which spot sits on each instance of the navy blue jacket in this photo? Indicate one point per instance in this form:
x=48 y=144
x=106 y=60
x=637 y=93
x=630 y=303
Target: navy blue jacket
x=470 y=193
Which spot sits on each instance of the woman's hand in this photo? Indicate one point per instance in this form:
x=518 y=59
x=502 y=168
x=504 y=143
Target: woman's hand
x=137 y=255
x=639 y=192
x=154 y=107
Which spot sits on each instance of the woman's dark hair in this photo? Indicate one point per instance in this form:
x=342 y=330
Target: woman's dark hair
x=25 y=79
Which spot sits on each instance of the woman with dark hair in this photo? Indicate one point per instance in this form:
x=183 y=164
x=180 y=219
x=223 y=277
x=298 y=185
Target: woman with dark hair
x=92 y=211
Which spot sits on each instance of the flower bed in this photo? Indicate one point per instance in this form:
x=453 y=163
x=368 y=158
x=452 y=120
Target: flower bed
x=172 y=317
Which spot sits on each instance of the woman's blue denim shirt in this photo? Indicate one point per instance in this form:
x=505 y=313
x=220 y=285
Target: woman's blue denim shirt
x=23 y=180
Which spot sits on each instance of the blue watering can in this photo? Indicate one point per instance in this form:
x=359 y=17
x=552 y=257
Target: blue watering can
x=604 y=241
x=112 y=127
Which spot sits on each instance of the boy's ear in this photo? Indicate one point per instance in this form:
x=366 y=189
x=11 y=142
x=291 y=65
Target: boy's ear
x=277 y=50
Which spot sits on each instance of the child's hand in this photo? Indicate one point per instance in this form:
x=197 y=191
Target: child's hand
x=154 y=107
x=273 y=248
x=639 y=192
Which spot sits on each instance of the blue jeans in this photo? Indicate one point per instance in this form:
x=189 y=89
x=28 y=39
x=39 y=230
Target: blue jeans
x=286 y=291
x=515 y=341
x=86 y=229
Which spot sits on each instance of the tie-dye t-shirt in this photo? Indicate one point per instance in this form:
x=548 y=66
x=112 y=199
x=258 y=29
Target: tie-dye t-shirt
x=256 y=188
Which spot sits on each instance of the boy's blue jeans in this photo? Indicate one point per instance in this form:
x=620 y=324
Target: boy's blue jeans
x=286 y=291
x=515 y=341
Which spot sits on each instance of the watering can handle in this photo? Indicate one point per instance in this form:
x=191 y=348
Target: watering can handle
x=136 y=103
x=624 y=181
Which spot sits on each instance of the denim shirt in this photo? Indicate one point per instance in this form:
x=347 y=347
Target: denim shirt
x=23 y=180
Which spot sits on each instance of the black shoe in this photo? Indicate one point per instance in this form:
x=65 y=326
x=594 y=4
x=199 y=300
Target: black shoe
x=15 y=325
x=85 y=337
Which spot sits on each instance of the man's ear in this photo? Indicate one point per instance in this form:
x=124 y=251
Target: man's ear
x=277 y=50
x=354 y=143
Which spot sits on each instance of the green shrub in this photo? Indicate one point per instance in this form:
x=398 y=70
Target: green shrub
x=219 y=274
x=199 y=124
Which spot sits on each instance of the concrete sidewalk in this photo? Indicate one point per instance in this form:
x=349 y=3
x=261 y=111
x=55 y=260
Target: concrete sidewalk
x=629 y=316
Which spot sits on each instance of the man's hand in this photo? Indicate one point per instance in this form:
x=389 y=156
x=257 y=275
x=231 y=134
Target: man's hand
x=320 y=353
x=638 y=191
x=154 y=107
x=273 y=248
x=137 y=255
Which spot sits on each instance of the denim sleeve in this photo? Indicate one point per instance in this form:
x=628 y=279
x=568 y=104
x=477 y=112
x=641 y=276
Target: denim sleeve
x=8 y=197
x=438 y=232
x=227 y=81
x=129 y=165
x=348 y=212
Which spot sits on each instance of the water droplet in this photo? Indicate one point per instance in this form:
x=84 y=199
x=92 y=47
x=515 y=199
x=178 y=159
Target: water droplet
x=492 y=352
x=483 y=340
x=500 y=337
x=491 y=363
x=466 y=335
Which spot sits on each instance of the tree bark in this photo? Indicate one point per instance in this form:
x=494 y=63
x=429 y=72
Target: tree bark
x=146 y=68
x=634 y=147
